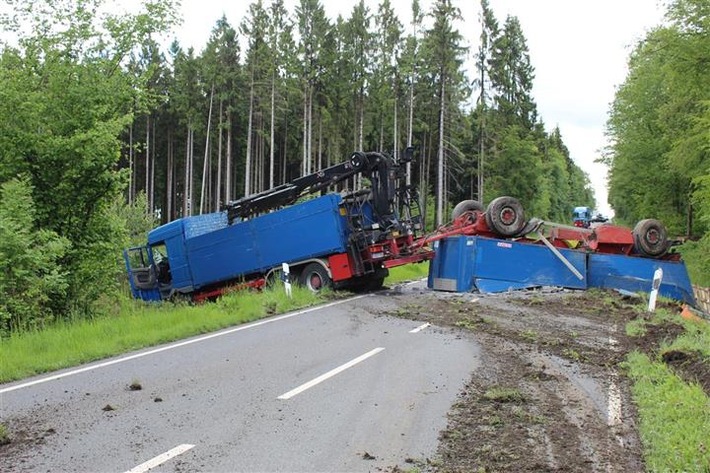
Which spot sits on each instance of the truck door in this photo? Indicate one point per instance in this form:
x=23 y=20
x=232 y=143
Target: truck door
x=142 y=273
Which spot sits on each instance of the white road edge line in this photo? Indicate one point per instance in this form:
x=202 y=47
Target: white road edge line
x=329 y=374
x=614 y=398
x=160 y=459
x=176 y=345
x=420 y=328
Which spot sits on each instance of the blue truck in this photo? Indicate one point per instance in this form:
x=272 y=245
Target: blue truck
x=332 y=240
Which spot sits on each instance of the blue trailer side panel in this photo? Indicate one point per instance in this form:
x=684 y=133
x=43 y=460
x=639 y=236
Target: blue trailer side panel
x=311 y=229
x=503 y=264
x=453 y=264
x=491 y=265
x=636 y=275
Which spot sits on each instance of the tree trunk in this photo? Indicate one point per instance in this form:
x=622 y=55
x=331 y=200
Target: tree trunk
x=188 y=164
x=218 y=193
x=410 y=129
x=309 y=166
x=131 y=167
x=147 y=164
x=152 y=171
x=206 y=162
x=305 y=132
x=169 y=178
x=481 y=139
x=320 y=143
x=271 y=132
x=440 y=166
x=228 y=170
x=247 y=165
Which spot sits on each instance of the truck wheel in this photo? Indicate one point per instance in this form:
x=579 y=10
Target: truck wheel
x=465 y=206
x=650 y=238
x=505 y=216
x=315 y=277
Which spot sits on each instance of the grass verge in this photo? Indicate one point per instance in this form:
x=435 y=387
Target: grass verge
x=408 y=272
x=138 y=325
x=674 y=416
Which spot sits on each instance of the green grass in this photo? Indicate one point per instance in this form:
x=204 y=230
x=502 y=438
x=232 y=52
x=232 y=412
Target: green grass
x=502 y=394
x=138 y=325
x=695 y=338
x=4 y=435
x=674 y=417
x=408 y=272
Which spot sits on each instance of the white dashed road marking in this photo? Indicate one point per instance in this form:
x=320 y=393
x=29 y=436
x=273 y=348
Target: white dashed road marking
x=160 y=459
x=329 y=374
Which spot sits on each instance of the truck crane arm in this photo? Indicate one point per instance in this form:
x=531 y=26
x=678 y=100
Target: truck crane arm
x=373 y=165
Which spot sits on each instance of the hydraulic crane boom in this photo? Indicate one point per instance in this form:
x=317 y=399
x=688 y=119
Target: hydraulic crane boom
x=382 y=171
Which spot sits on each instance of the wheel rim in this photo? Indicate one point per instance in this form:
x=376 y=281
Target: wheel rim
x=653 y=237
x=315 y=282
x=507 y=216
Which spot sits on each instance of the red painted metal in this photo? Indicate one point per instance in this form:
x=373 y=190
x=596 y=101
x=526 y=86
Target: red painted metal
x=424 y=255
x=604 y=238
x=215 y=292
x=340 y=267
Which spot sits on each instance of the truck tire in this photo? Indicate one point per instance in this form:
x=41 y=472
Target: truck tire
x=465 y=206
x=505 y=216
x=650 y=238
x=315 y=277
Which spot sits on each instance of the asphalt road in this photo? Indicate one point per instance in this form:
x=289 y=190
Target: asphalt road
x=338 y=388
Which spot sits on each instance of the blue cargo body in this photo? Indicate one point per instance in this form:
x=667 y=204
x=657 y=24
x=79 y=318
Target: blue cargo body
x=204 y=250
x=463 y=264
x=636 y=275
x=491 y=265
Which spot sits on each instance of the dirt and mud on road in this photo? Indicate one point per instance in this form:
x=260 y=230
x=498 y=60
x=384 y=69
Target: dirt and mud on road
x=550 y=394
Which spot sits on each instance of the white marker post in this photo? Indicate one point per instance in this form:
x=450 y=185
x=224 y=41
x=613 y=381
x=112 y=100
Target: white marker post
x=286 y=278
x=657 y=277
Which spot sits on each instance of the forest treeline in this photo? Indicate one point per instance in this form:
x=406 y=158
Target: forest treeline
x=105 y=131
x=659 y=130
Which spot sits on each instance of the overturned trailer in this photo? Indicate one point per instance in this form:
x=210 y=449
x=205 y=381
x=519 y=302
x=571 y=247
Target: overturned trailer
x=498 y=250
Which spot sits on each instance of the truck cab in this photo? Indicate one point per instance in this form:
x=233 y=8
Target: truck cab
x=581 y=216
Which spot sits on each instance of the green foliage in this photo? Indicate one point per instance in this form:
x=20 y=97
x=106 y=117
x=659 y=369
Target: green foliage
x=31 y=279
x=65 y=99
x=658 y=123
x=695 y=254
x=675 y=418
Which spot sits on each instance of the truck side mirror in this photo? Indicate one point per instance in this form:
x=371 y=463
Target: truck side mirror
x=408 y=155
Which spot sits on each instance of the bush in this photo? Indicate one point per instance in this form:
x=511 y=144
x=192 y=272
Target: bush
x=32 y=279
